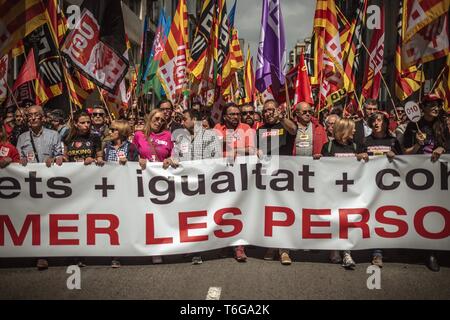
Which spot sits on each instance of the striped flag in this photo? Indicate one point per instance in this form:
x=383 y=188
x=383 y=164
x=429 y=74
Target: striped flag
x=18 y=18
x=221 y=40
x=372 y=74
x=57 y=21
x=410 y=80
x=172 y=67
x=426 y=32
x=249 y=79
x=329 y=53
x=202 y=40
x=77 y=93
x=421 y=13
x=344 y=30
x=443 y=88
x=351 y=65
x=234 y=63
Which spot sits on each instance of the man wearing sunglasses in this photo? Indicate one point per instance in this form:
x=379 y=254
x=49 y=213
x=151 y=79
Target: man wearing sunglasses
x=98 y=125
x=311 y=136
x=248 y=116
x=276 y=137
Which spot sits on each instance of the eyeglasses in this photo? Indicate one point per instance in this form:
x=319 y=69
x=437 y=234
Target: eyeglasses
x=244 y=113
x=34 y=115
x=101 y=114
x=159 y=119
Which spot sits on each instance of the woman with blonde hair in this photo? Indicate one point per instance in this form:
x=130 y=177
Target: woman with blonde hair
x=343 y=146
x=155 y=142
x=119 y=149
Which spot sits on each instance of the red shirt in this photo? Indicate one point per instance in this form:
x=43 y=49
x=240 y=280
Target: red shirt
x=242 y=137
x=7 y=150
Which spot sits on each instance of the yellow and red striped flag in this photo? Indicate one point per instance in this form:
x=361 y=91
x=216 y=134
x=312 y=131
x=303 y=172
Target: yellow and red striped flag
x=172 y=67
x=249 y=79
x=328 y=51
x=234 y=62
x=18 y=19
x=410 y=80
x=426 y=31
x=351 y=63
x=421 y=13
x=443 y=88
x=202 y=40
x=57 y=21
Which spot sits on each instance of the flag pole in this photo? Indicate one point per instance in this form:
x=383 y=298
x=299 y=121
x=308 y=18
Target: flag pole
x=104 y=103
x=12 y=94
x=385 y=85
x=438 y=78
x=288 y=100
x=421 y=84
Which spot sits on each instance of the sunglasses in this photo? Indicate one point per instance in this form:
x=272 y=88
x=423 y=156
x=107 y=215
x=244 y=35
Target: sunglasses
x=244 y=113
x=159 y=119
x=95 y=114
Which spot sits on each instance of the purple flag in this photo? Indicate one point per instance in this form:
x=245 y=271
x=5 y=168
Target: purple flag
x=271 y=68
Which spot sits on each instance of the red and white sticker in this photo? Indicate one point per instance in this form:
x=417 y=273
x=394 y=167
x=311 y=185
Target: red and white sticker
x=4 y=151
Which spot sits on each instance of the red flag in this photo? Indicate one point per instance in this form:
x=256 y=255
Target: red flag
x=372 y=75
x=302 y=85
x=28 y=71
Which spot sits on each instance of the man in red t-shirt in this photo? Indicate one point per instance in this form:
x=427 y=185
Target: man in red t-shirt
x=238 y=138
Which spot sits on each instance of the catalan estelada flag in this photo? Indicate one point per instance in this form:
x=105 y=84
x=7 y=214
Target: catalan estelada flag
x=172 y=67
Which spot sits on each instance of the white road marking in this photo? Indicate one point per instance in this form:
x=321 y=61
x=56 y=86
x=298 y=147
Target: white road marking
x=214 y=293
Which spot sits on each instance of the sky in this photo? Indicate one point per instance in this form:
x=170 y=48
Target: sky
x=298 y=21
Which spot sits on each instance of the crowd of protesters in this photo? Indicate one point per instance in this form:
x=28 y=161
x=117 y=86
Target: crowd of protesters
x=170 y=135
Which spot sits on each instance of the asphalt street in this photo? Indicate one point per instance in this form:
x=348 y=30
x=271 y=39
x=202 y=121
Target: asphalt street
x=311 y=276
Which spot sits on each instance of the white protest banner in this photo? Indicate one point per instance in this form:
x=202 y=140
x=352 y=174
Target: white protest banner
x=331 y=203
